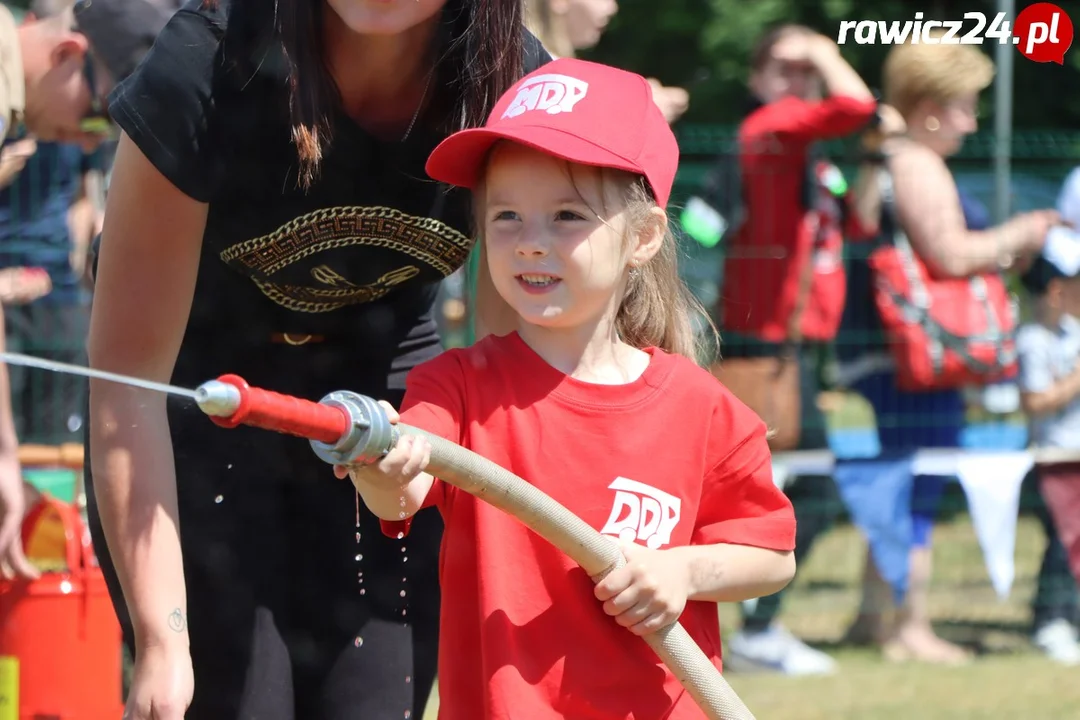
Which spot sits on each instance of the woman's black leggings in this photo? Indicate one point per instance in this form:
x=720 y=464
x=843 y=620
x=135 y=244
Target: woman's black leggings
x=294 y=612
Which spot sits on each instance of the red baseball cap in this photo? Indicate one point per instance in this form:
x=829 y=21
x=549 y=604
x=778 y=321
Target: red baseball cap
x=580 y=111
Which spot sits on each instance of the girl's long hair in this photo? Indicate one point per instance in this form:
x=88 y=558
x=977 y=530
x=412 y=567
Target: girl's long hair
x=658 y=309
x=479 y=56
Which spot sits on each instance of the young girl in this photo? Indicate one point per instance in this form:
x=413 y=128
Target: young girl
x=595 y=399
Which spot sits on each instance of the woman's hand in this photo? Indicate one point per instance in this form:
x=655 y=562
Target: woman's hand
x=22 y=285
x=12 y=508
x=1035 y=225
x=891 y=125
x=162 y=684
x=892 y=122
x=672 y=101
x=408 y=458
x=13 y=159
x=798 y=47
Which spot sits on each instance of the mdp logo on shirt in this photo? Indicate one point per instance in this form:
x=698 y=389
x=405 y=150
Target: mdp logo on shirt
x=642 y=513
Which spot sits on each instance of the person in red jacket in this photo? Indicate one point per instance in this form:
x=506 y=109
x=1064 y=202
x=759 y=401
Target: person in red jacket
x=785 y=227
x=783 y=282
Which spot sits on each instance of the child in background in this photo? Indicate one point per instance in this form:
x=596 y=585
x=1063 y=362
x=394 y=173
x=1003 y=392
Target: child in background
x=1049 y=348
x=595 y=398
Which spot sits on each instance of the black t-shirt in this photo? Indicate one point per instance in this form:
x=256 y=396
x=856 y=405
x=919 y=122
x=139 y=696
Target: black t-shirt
x=355 y=260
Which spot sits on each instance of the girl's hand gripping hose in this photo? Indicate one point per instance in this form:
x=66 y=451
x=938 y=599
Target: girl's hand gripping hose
x=346 y=429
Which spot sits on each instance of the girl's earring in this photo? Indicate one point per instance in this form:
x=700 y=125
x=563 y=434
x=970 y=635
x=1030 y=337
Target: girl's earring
x=633 y=273
x=932 y=124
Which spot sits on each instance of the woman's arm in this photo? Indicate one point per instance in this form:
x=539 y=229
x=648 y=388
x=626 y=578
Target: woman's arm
x=865 y=218
x=839 y=77
x=146 y=273
x=12 y=489
x=848 y=107
x=928 y=209
x=865 y=202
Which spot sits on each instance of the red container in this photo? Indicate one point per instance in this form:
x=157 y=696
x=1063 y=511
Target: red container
x=60 y=631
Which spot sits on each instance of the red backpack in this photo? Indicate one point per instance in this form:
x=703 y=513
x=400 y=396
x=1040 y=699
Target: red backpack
x=942 y=333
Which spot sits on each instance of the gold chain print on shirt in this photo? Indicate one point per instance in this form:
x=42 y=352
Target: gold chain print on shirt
x=427 y=240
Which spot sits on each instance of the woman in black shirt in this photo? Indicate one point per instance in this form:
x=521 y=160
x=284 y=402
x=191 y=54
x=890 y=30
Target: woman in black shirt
x=269 y=216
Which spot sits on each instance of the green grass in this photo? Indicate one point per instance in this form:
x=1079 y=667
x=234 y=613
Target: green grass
x=1008 y=680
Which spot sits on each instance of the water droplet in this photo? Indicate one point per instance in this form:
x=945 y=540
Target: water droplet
x=402 y=548
x=402 y=593
x=404 y=580
x=401 y=534
x=357 y=537
x=363 y=591
x=408 y=678
x=219 y=498
x=405 y=559
x=229 y=466
x=401 y=516
x=407 y=715
x=358 y=641
x=359 y=557
x=403 y=615
x=402 y=503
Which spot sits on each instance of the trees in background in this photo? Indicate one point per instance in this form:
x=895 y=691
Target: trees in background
x=704 y=46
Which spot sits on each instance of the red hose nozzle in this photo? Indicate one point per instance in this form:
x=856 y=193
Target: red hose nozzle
x=343 y=427
x=230 y=402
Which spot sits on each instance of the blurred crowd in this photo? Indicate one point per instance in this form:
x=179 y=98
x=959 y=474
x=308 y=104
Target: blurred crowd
x=905 y=281
x=808 y=262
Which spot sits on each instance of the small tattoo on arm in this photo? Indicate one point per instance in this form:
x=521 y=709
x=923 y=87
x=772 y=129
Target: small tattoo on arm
x=177 y=621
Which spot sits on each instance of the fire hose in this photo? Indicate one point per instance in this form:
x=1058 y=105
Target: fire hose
x=345 y=428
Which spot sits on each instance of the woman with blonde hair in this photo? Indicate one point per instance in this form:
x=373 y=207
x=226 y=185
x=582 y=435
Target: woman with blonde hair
x=936 y=88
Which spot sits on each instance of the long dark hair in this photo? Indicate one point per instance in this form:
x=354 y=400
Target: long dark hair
x=478 y=58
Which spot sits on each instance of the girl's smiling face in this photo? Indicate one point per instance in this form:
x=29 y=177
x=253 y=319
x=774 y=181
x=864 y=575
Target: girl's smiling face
x=556 y=237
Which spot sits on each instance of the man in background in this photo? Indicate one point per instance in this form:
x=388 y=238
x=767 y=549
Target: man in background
x=55 y=75
x=47 y=219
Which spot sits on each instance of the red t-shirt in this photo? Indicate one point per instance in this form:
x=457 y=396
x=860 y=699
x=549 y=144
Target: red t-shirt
x=670 y=459
x=780 y=235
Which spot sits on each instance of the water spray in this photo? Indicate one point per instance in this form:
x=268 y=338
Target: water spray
x=346 y=428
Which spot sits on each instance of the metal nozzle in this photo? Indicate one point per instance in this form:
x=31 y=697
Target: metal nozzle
x=217 y=398
x=370 y=433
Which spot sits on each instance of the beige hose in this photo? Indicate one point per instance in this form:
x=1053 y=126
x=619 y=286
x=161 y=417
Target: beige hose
x=596 y=554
